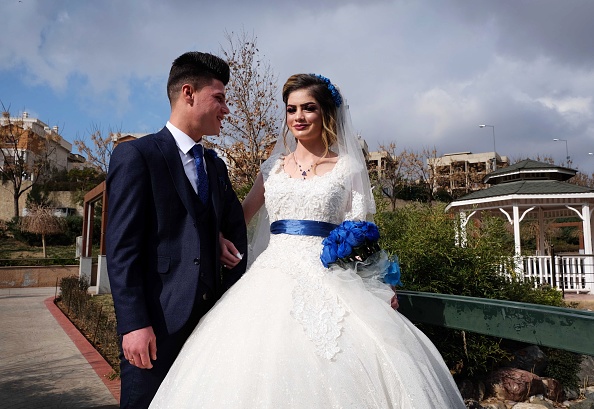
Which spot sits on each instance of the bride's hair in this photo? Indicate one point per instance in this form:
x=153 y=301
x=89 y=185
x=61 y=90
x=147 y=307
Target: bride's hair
x=337 y=134
x=320 y=90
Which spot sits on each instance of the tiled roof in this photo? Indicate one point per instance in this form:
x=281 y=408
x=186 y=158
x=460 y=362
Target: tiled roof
x=527 y=187
x=528 y=164
x=532 y=167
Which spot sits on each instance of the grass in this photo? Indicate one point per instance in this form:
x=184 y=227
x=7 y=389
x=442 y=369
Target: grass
x=17 y=253
x=11 y=248
x=584 y=305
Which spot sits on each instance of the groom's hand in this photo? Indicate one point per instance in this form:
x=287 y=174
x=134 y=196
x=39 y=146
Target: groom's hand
x=139 y=347
x=230 y=256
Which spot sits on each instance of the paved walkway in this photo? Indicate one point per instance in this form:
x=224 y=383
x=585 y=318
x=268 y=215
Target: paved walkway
x=44 y=363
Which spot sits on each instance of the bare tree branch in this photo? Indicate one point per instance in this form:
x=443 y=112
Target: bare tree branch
x=41 y=220
x=98 y=151
x=24 y=155
x=248 y=134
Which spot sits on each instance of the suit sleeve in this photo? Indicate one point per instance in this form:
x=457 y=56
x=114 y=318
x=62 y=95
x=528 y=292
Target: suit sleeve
x=128 y=193
x=233 y=228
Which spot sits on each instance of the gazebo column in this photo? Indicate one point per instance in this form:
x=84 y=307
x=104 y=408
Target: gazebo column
x=516 y=222
x=460 y=233
x=461 y=230
x=587 y=229
x=541 y=233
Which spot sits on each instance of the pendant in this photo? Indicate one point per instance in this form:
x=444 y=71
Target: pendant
x=304 y=173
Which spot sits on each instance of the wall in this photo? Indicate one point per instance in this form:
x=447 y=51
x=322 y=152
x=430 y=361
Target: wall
x=59 y=199
x=46 y=276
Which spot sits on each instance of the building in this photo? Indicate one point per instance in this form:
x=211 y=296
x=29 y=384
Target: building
x=463 y=172
x=118 y=137
x=28 y=147
x=377 y=162
x=35 y=138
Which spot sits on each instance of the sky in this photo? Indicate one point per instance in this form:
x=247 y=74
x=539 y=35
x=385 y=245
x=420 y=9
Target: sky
x=423 y=74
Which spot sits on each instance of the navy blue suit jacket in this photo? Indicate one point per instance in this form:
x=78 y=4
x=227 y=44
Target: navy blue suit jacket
x=153 y=239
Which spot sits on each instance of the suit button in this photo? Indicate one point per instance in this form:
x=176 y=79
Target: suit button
x=197 y=261
x=205 y=296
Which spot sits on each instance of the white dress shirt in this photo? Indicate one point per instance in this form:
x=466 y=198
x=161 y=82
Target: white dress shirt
x=184 y=148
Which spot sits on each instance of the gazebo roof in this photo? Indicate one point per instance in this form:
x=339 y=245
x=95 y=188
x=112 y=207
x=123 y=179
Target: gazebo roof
x=533 y=190
x=527 y=187
x=526 y=184
x=529 y=169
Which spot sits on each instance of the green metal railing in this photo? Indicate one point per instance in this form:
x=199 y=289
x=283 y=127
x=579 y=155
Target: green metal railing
x=562 y=328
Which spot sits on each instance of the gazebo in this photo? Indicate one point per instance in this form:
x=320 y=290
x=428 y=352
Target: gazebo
x=535 y=190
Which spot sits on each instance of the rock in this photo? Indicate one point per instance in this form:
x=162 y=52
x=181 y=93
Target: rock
x=586 y=373
x=540 y=400
x=492 y=403
x=466 y=388
x=470 y=390
x=553 y=389
x=589 y=392
x=514 y=384
x=530 y=359
x=472 y=404
x=571 y=394
x=584 y=404
x=524 y=405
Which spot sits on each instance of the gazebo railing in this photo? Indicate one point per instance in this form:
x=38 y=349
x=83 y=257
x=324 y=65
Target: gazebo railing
x=567 y=272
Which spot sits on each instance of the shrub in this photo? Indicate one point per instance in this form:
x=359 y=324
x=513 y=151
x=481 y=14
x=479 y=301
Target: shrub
x=96 y=321
x=423 y=237
x=15 y=231
x=3 y=229
x=564 y=366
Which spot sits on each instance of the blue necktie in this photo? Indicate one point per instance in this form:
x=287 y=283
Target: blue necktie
x=198 y=153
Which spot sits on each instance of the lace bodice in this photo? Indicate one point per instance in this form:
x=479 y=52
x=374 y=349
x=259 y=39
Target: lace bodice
x=327 y=198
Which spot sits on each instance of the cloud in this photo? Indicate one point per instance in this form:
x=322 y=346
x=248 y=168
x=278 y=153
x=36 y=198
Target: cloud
x=420 y=73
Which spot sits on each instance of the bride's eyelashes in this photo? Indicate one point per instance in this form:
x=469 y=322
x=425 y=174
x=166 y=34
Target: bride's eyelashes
x=311 y=107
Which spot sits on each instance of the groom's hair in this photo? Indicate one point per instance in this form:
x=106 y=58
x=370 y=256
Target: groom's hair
x=197 y=69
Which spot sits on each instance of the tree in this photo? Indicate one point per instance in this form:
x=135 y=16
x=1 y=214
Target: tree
x=407 y=175
x=390 y=178
x=583 y=179
x=420 y=172
x=98 y=152
x=249 y=132
x=24 y=156
x=41 y=220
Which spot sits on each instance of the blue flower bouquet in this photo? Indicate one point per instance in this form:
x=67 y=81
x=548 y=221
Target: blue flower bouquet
x=355 y=243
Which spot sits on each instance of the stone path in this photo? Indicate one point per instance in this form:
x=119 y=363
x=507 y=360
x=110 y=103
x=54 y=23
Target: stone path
x=40 y=365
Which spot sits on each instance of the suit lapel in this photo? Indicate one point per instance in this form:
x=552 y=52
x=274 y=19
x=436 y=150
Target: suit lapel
x=170 y=152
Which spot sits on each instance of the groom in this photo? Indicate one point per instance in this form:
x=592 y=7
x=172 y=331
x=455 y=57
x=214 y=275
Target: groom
x=169 y=200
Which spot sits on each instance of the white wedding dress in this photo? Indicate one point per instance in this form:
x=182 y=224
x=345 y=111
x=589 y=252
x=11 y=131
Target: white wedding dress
x=293 y=334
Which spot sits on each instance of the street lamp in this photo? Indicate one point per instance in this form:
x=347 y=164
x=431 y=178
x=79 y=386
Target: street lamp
x=494 y=151
x=566 y=150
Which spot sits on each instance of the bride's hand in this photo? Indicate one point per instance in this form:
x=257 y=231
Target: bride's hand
x=230 y=256
x=394 y=301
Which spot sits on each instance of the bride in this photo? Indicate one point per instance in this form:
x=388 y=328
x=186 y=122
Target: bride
x=292 y=333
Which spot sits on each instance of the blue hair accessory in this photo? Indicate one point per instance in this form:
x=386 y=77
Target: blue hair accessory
x=333 y=90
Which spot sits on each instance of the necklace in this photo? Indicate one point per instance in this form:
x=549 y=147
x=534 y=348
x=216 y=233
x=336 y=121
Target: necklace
x=303 y=172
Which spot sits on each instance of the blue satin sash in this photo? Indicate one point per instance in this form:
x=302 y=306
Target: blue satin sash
x=302 y=227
